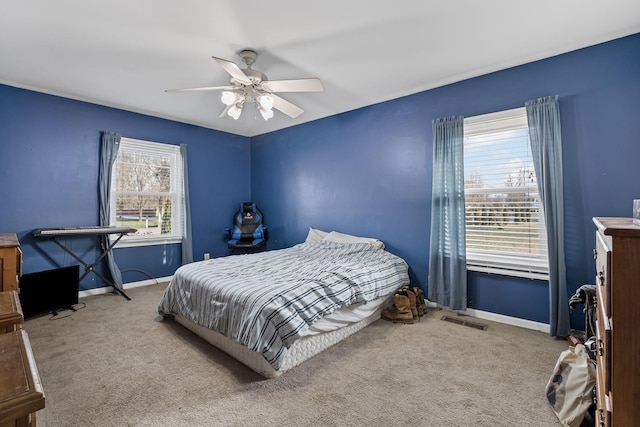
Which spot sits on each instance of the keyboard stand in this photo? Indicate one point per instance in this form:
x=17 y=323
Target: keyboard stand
x=53 y=233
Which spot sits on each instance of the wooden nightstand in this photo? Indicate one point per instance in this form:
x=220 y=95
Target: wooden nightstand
x=10 y=262
x=21 y=393
x=11 y=316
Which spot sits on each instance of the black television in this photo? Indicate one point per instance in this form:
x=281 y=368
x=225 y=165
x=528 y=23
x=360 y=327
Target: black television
x=49 y=291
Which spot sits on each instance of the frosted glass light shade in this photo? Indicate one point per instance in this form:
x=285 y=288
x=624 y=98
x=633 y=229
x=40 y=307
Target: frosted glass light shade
x=229 y=98
x=266 y=102
x=234 y=112
x=266 y=114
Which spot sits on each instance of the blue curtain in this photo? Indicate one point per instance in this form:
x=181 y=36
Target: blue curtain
x=447 y=254
x=109 y=144
x=187 y=244
x=543 y=115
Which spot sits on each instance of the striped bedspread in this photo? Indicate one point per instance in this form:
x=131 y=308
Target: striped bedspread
x=265 y=300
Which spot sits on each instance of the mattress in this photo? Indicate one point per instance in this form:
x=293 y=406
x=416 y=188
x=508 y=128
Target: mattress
x=328 y=331
x=267 y=302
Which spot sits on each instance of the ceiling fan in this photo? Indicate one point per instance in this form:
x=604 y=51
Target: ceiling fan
x=251 y=86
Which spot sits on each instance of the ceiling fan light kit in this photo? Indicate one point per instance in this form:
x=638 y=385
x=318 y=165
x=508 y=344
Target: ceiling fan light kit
x=253 y=86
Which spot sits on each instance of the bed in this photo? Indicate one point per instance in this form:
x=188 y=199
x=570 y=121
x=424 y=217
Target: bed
x=273 y=310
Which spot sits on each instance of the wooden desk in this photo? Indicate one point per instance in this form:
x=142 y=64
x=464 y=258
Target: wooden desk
x=21 y=393
x=11 y=317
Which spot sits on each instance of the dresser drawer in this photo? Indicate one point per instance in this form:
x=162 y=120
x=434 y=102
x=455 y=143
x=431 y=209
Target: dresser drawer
x=603 y=359
x=603 y=407
x=18 y=262
x=603 y=272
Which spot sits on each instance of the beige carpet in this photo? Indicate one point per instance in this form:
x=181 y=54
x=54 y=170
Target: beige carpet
x=114 y=363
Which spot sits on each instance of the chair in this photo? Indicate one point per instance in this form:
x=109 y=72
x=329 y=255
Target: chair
x=248 y=232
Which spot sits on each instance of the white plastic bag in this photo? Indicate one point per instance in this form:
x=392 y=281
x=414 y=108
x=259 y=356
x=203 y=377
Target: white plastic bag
x=570 y=388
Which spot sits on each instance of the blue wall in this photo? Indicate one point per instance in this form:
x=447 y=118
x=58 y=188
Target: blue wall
x=49 y=173
x=368 y=172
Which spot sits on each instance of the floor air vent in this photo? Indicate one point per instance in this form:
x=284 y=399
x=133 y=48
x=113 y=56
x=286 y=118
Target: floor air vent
x=463 y=322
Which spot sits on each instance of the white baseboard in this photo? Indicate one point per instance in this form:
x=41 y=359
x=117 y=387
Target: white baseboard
x=500 y=318
x=108 y=289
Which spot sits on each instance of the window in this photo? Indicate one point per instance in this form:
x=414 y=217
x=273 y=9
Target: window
x=505 y=231
x=147 y=192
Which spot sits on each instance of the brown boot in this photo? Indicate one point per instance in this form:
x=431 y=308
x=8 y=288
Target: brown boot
x=400 y=311
x=420 y=302
x=412 y=301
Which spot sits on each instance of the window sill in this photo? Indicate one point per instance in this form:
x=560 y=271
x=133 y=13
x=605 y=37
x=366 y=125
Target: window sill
x=147 y=242
x=513 y=273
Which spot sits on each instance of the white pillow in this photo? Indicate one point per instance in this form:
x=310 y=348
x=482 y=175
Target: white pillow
x=334 y=236
x=315 y=235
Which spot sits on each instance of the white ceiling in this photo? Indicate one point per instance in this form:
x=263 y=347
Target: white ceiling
x=125 y=53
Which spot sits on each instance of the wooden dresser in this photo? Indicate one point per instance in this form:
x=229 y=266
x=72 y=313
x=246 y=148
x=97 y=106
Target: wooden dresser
x=10 y=262
x=617 y=257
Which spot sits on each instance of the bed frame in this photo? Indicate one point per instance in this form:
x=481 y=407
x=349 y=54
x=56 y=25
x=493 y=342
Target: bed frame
x=301 y=350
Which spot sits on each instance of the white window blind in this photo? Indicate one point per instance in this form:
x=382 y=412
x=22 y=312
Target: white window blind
x=505 y=230
x=147 y=192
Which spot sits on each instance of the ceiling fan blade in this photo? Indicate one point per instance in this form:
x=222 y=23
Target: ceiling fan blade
x=233 y=70
x=285 y=106
x=296 y=85
x=198 y=89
